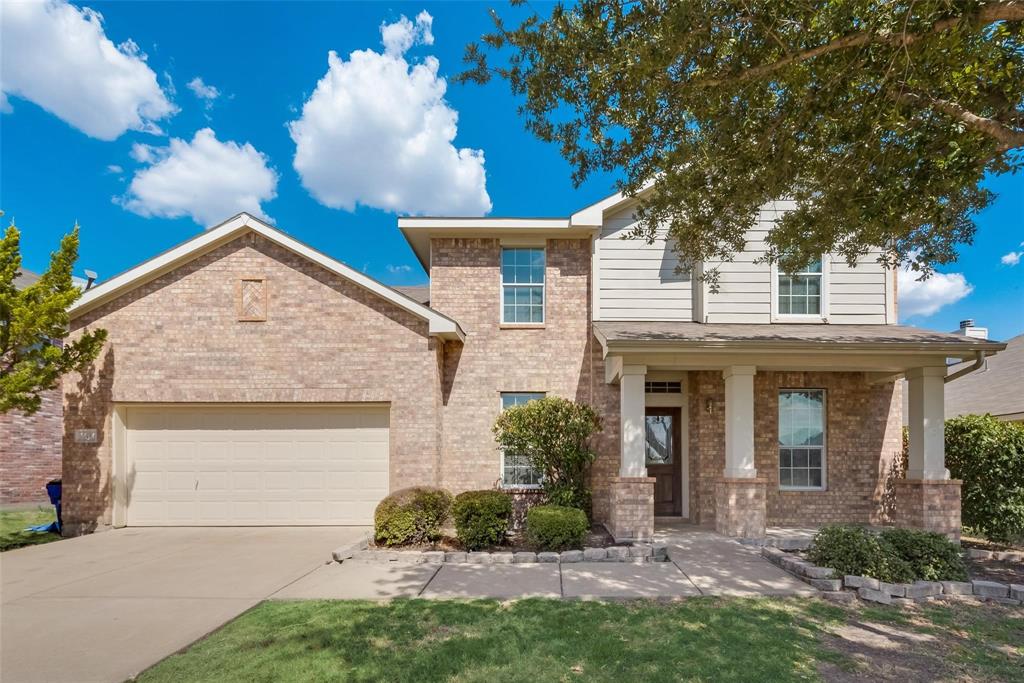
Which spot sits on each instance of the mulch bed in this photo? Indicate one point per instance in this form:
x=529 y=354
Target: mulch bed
x=597 y=538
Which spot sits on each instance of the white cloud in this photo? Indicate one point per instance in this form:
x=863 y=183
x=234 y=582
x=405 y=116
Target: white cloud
x=1011 y=259
x=202 y=90
x=114 y=168
x=925 y=297
x=206 y=179
x=378 y=132
x=59 y=57
x=396 y=270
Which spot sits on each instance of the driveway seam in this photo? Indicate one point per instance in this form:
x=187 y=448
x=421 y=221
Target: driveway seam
x=561 y=585
x=687 y=576
x=436 y=572
x=299 y=578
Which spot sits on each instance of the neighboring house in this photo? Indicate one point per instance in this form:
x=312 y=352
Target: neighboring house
x=30 y=446
x=998 y=388
x=250 y=379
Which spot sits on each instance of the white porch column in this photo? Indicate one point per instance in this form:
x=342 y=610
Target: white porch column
x=925 y=423
x=739 y=422
x=633 y=462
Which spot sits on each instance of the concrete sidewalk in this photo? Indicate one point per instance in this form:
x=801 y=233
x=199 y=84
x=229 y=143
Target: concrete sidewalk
x=701 y=563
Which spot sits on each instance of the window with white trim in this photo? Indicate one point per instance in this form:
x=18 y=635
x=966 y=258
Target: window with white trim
x=802 y=439
x=800 y=293
x=516 y=469
x=522 y=285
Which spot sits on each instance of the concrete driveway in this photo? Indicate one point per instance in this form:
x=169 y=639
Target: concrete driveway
x=107 y=606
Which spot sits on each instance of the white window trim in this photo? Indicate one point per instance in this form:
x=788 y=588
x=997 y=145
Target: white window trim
x=824 y=441
x=543 y=288
x=823 y=317
x=501 y=460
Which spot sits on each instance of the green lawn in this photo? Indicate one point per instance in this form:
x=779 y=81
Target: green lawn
x=703 y=639
x=14 y=522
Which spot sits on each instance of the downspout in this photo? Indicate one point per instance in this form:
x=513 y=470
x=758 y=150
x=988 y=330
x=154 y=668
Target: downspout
x=978 y=364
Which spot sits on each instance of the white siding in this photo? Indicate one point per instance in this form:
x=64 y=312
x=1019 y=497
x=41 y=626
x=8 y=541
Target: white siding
x=635 y=280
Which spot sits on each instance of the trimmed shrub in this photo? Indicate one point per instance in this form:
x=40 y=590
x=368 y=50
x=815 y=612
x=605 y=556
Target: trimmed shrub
x=931 y=556
x=988 y=455
x=857 y=551
x=555 y=434
x=412 y=515
x=482 y=518
x=555 y=528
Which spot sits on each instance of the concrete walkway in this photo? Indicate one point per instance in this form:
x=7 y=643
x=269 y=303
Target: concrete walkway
x=701 y=563
x=106 y=606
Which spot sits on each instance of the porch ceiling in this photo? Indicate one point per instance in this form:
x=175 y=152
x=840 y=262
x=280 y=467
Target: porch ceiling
x=873 y=348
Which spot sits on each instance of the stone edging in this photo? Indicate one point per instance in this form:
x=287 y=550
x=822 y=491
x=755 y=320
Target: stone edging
x=873 y=590
x=636 y=553
x=1005 y=555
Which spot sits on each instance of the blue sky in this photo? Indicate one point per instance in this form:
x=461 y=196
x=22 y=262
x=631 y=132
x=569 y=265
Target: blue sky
x=259 y=65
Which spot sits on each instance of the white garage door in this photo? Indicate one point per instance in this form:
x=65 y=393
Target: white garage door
x=223 y=466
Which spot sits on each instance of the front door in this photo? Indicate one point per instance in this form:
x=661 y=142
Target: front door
x=663 y=459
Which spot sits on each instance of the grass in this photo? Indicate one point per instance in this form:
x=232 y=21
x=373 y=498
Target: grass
x=701 y=639
x=14 y=522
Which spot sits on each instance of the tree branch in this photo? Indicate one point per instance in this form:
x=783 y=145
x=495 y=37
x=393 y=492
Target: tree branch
x=991 y=12
x=1007 y=137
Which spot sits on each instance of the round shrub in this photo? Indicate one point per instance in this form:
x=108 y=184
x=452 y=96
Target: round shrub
x=931 y=556
x=482 y=518
x=555 y=528
x=856 y=551
x=412 y=515
x=988 y=455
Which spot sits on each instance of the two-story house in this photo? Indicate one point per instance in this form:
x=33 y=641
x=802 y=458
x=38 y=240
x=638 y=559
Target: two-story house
x=249 y=379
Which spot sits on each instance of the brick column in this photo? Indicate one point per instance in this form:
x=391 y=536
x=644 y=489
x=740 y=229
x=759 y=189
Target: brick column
x=740 y=507
x=632 y=508
x=932 y=505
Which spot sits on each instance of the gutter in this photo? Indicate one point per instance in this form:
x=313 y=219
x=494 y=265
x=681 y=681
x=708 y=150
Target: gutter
x=978 y=364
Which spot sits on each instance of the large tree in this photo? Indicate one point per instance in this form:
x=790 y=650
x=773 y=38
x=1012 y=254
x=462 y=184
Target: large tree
x=33 y=320
x=879 y=118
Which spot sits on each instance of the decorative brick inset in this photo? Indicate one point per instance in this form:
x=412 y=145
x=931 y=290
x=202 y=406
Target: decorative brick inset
x=933 y=505
x=740 y=509
x=631 y=514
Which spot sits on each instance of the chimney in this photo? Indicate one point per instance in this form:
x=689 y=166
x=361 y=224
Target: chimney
x=968 y=329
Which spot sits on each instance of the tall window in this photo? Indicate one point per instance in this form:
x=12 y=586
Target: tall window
x=522 y=285
x=802 y=438
x=516 y=470
x=800 y=293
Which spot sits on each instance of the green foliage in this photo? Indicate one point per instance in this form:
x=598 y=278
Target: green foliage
x=554 y=433
x=482 y=518
x=412 y=515
x=856 y=551
x=931 y=556
x=878 y=118
x=988 y=455
x=555 y=528
x=33 y=320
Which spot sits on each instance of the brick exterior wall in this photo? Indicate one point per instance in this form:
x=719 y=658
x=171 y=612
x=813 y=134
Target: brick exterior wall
x=559 y=358
x=931 y=505
x=30 y=449
x=863 y=446
x=631 y=509
x=177 y=339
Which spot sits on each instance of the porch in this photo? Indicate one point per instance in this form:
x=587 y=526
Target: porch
x=744 y=427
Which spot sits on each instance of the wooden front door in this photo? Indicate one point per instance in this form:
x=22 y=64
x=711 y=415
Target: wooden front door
x=664 y=462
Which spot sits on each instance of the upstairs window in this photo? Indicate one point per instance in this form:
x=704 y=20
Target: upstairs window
x=522 y=285
x=516 y=470
x=800 y=293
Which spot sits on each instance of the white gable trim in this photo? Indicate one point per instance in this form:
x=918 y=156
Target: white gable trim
x=439 y=325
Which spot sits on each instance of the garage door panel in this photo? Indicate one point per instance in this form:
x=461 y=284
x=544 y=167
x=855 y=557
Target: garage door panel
x=213 y=465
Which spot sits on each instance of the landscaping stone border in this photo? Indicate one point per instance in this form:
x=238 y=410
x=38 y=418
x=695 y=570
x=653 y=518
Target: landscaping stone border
x=1004 y=555
x=636 y=553
x=901 y=594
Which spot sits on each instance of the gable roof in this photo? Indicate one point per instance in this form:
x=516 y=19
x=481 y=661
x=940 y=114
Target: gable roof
x=439 y=325
x=25 y=278
x=995 y=389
